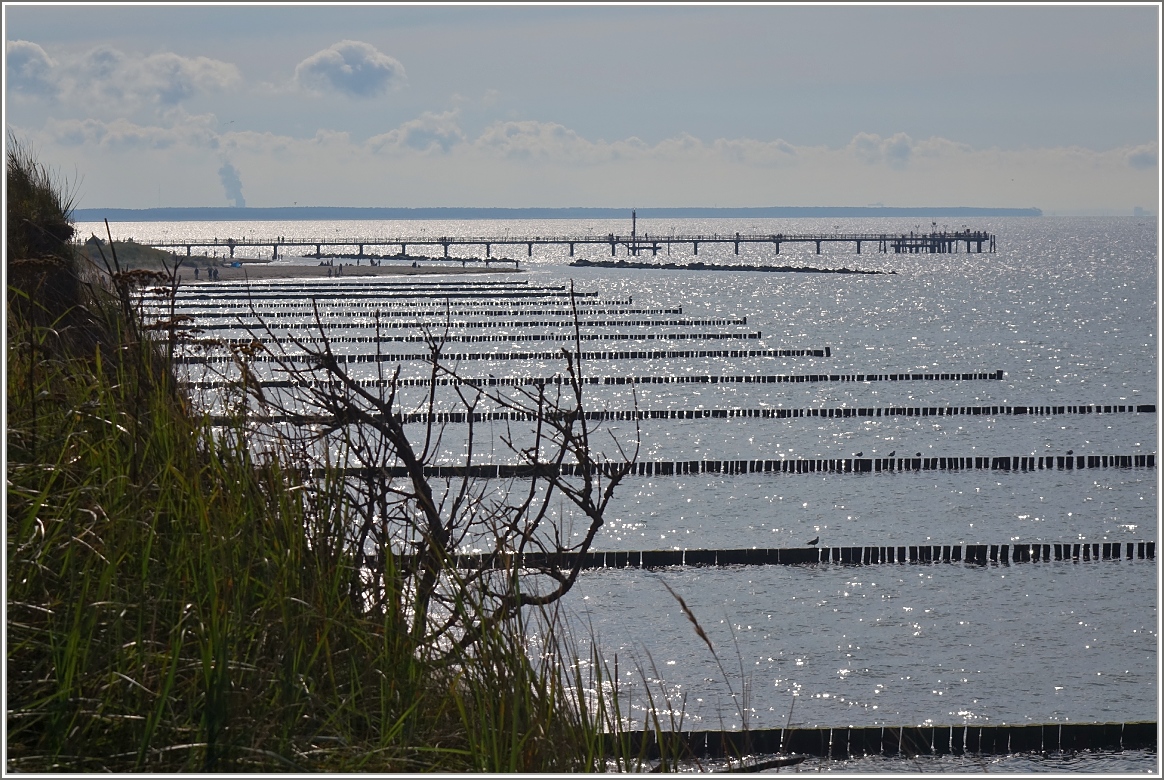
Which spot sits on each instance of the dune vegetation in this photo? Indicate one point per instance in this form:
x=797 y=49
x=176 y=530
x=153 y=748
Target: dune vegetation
x=177 y=603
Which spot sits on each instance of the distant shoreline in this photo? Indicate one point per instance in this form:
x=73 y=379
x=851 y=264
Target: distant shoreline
x=289 y=213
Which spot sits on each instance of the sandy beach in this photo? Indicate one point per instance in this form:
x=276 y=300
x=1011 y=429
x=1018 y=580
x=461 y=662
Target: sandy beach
x=261 y=271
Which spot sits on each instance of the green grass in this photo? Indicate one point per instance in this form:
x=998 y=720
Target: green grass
x=175 y=603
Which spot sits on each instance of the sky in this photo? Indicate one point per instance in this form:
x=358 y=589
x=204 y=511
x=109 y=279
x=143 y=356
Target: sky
x=1052 y=106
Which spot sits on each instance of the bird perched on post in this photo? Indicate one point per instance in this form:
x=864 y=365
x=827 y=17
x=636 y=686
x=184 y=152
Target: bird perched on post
x=892 y=453
x=814 y=541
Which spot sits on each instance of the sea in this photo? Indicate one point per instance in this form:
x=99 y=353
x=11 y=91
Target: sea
x=1065 y=307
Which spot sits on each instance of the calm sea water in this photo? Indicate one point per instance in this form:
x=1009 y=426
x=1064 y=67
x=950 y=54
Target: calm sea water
x=1067 y=308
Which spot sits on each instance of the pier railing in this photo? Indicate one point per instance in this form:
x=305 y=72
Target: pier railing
x=939 y=242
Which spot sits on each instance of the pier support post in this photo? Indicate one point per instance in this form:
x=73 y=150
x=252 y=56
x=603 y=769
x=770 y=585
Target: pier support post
x=529 y=249
x=694 y=247
x=571 y=249
x=446 y=245
x=361 y=254
x=403 y=248
x=737 y=243
x=317 y=251
x=612 y=249
x=275 y=252
x=187 y=250
x=818 y=247
x=858 y=247
x=487 y=250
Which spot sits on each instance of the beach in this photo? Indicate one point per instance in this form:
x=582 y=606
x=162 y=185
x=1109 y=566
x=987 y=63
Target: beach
x=255 y=271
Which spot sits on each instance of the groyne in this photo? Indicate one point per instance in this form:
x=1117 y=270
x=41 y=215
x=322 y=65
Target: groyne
x=606 y=415
x=677 y=468
x=847 y=742
x=976 y=554
x=558 y=379
x=700 y=266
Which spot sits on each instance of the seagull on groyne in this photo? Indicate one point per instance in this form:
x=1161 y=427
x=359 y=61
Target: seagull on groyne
x=892 y=453
x=814 y=541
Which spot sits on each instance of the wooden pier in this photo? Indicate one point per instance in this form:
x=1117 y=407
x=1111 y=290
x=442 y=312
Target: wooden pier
x=936 y=242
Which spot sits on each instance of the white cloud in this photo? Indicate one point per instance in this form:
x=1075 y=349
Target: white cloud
x=747 y=151
x=105 y=80
x=530 y=140
x=427 y=133
x=350 y=68
x=872 y=149
x=29 y=69
x=169 y=79
x=185 y=132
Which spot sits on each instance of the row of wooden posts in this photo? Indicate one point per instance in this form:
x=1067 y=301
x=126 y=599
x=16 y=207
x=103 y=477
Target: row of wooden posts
x=847 y=742
x=978 y=554
x=680 y=379
x=672 y=468
x=608 y=415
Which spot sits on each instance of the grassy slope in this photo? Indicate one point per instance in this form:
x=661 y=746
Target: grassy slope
x=173 y=605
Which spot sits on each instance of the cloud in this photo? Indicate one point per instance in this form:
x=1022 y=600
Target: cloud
x=107 y=79
x=169 y=79
x=431 y=160
x=29 y=69
x=99 y=77
x=747 y=151
x=231 y=182
x=1142 y=157
x=350 y=68
x=872 y=149
x=427 y=133
x=543 y=141
x=185 y=131
x=549 y=142
x=164 y=79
